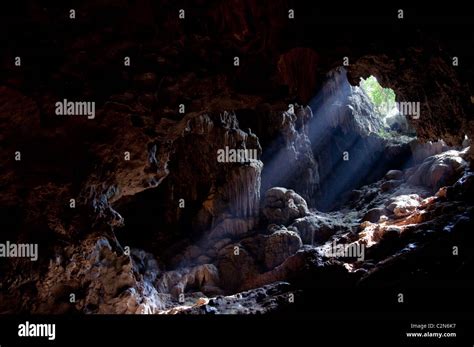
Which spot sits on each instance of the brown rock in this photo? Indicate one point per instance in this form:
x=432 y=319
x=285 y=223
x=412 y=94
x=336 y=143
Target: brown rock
x=279 y=246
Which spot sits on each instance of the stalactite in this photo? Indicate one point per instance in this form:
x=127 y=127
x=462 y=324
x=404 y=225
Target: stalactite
x=244 y=190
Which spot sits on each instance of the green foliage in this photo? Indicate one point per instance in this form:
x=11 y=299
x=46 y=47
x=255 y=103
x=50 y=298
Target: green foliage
x=383 y=133
x=382 y=98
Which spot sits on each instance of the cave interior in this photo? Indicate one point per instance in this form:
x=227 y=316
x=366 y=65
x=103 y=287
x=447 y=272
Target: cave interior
x=131 y=209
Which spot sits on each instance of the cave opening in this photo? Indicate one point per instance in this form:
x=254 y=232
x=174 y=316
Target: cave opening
x=350 y=137
x=357 y=134
x=392 y=112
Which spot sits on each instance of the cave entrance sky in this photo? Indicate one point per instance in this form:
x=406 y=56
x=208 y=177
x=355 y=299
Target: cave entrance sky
x=393 y=113
x=382 y=98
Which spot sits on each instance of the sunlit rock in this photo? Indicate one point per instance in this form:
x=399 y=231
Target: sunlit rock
x=438 y=170
x=403 y=205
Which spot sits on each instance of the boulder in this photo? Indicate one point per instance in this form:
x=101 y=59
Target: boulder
x=423 y=150
x=373 y=215
x=390 y=185
x=403 y=205
x=394 y=175
x=235 y=266
x=318 y=227
x=282 y=206
x=439 y=170
x=279 y=246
